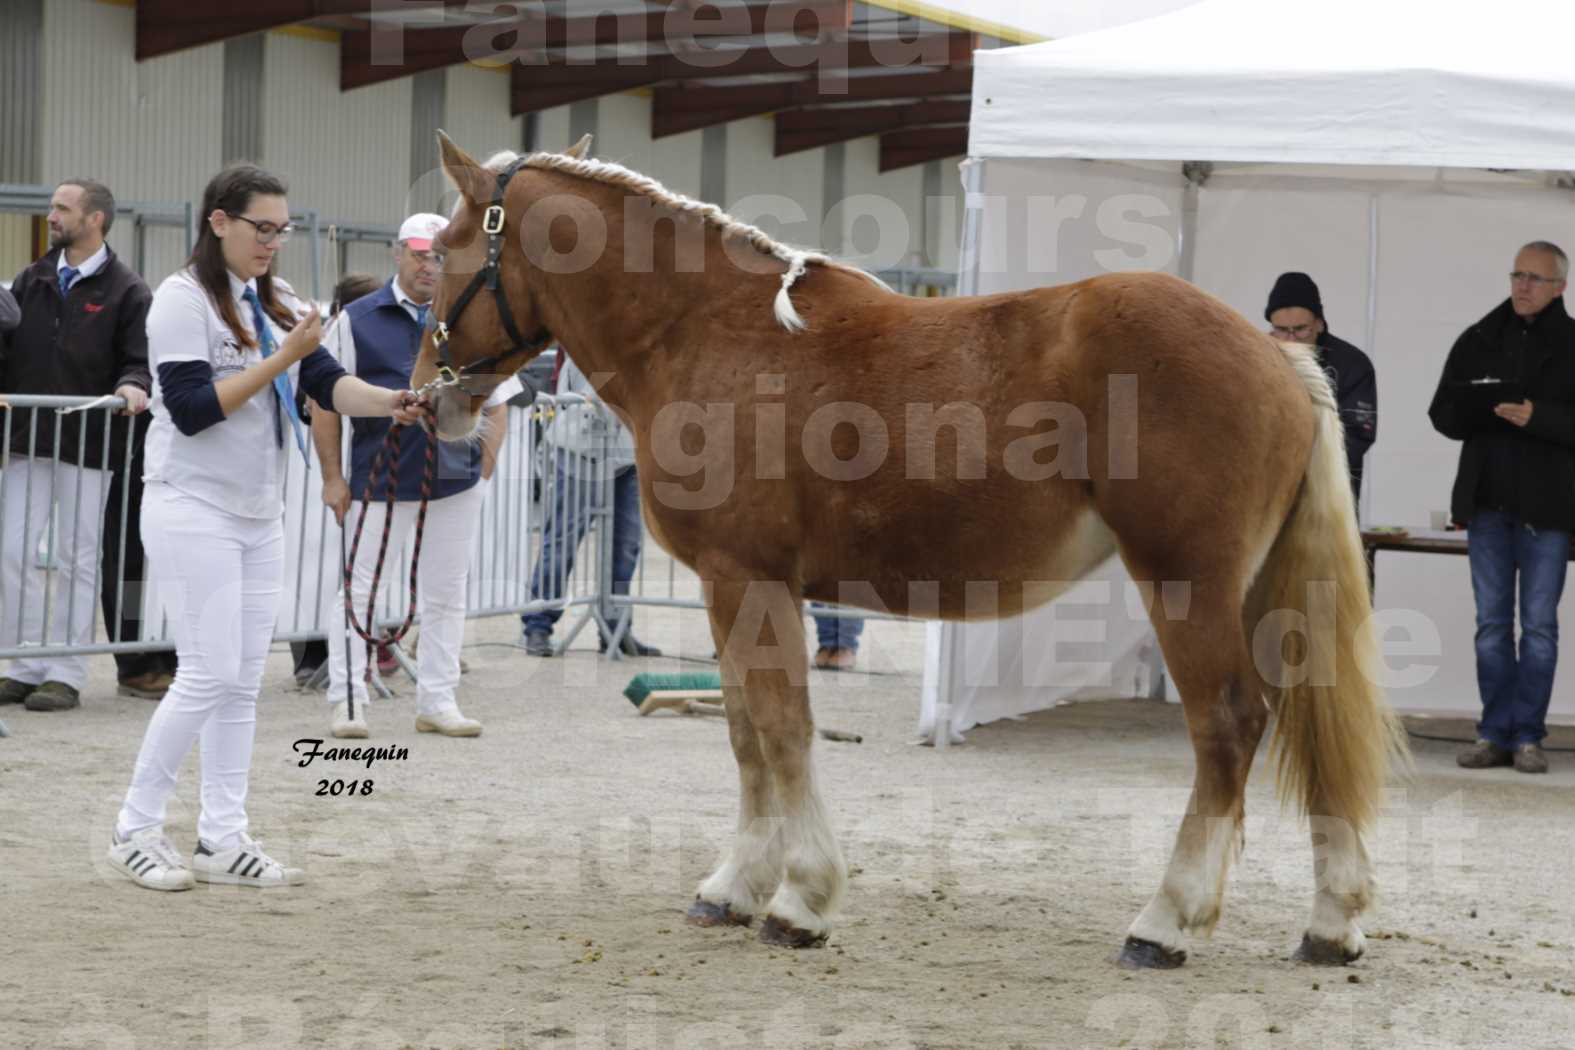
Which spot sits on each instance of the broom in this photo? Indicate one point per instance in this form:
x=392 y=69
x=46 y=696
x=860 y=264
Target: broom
x=695 y=694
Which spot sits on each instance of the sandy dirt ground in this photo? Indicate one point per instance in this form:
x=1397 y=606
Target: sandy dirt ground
x=526 y=889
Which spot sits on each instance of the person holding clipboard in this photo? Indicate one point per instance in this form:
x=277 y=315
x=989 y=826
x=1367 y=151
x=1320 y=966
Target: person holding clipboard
x=1507 y=394
x=229 y=342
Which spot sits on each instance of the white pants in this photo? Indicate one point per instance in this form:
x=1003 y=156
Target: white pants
x=441 y=580
x=32 y=489
x=219 y=577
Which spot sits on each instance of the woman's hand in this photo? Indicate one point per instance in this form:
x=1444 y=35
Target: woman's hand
x=406 y=407
x=306 y=336
x=336 y=494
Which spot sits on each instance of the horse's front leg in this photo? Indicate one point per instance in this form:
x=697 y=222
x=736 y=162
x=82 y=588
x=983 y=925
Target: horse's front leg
x=760 y=634
x=749 y=873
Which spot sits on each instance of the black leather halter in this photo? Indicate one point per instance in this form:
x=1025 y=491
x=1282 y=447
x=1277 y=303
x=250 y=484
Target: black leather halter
x=488 y=277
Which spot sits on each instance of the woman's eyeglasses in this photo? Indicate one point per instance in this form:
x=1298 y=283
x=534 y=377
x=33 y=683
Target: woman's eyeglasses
x=267 y=232
x=1300 y=331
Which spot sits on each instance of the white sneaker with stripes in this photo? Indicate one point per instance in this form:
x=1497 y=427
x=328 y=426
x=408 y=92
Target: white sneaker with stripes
x=149 y=859
x=243 y=865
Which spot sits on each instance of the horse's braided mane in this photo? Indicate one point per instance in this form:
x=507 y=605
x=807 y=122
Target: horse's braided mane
x=611 y=174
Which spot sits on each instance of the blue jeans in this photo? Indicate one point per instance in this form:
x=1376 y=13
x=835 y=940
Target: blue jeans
x=1515 y=692
x=837 y=632
x=566 y=525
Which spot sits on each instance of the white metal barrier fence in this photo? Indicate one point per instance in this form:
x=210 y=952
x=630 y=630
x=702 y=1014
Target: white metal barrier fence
x=41 y=487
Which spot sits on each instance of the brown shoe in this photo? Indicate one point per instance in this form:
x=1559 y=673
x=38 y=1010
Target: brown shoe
x=835 y=659
x=1530 y=759
x=53 y=696
x=14 y=692
x=149 y=686
x=1484 y=754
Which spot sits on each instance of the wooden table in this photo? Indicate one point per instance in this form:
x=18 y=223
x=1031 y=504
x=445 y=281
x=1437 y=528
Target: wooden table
x=1417 y=541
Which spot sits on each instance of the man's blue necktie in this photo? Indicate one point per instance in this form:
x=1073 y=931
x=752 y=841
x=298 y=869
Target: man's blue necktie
x=68 y=274
x=422 y=309
x=281 y=383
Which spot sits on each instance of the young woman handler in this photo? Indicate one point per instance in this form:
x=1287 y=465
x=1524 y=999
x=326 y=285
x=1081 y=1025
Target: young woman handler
x=226 y=340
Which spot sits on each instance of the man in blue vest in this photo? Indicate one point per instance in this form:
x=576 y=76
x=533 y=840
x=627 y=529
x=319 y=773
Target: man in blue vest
x=377 y=338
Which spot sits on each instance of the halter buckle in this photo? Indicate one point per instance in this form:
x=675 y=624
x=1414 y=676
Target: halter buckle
x=492 y=220
x=440 y=333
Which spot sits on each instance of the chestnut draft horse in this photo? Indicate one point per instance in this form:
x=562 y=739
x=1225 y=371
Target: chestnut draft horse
x=785 y=409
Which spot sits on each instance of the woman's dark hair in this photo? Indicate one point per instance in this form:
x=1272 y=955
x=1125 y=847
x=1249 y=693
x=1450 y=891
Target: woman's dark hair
x=351 y=287
x=231 y=191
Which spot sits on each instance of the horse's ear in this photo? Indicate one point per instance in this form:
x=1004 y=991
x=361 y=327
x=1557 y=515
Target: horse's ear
x=579 y=149
x=470 y=178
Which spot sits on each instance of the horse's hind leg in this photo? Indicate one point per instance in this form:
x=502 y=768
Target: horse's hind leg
x=740 y=886
x=1221 y=694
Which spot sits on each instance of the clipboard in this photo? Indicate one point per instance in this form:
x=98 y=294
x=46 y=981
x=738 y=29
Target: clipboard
x=1477 y=397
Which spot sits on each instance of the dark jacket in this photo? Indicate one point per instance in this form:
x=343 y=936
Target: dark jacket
x=1356 y=392
x=1542 y=453
x=10 y=316
x=89 y=342
x=387 y=340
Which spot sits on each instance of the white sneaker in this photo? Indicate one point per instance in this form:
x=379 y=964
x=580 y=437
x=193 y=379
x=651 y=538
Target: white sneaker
x=243 y=865
x=449 y=723
x=149 y=859
x=343 y=726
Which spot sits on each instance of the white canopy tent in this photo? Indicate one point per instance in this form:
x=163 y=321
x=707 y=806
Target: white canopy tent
x=1398 y=152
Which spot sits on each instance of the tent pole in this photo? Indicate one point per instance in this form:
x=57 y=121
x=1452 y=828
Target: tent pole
x=1362 y=509
x=938 y=698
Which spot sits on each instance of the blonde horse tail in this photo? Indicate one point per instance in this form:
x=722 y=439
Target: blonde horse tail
x=1335 y=738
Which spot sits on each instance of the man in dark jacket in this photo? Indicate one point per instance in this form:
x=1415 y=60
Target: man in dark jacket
x=1295 y=312
x=83 y=332
x=1515 y=491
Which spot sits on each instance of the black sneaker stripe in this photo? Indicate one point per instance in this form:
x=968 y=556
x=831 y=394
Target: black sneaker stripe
x=147 y=864
x=252 y=869
x=129 y=861
x=238 y=859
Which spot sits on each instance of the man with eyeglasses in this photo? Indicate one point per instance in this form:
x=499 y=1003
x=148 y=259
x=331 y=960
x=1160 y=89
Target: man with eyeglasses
x=83 y=332
x=1515 y=492
x=1295 y=314
x=377 y=338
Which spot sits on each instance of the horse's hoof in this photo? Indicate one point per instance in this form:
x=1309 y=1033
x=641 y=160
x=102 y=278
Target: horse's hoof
x=1320 y=952
x=704 y=913
x=1138 y=954
x=775 y=931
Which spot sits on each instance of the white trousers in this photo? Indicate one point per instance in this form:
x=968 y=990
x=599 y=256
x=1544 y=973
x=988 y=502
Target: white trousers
x=440 y=583
x=219 y=576
x=33 y=489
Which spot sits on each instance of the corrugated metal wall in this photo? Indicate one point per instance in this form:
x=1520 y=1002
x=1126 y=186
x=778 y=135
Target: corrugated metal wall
x=428 y=105
x=478 y=112
x=21 y=49
x=151 y=130
x=346 y=154
x=243 y=99
x=159 y=129
x=767 y=190
x=624 y=135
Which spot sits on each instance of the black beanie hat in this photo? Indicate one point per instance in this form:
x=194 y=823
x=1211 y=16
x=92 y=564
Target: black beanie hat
x=1294 y=289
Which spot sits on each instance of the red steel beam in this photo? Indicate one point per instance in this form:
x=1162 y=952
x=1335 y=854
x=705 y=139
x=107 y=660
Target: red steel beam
x=372 y=56
x=902 y=149
x=687 y=107
x=167 y=26
x=802 y=129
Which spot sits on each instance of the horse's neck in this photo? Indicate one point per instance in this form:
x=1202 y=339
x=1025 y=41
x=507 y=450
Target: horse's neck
x=612 y=316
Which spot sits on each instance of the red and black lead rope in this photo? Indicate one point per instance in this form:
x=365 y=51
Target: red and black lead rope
x=386 y=461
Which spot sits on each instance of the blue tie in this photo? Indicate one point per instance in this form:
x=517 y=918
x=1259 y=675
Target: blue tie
x=421 y=315
x=68 y=276
x=281 y=383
